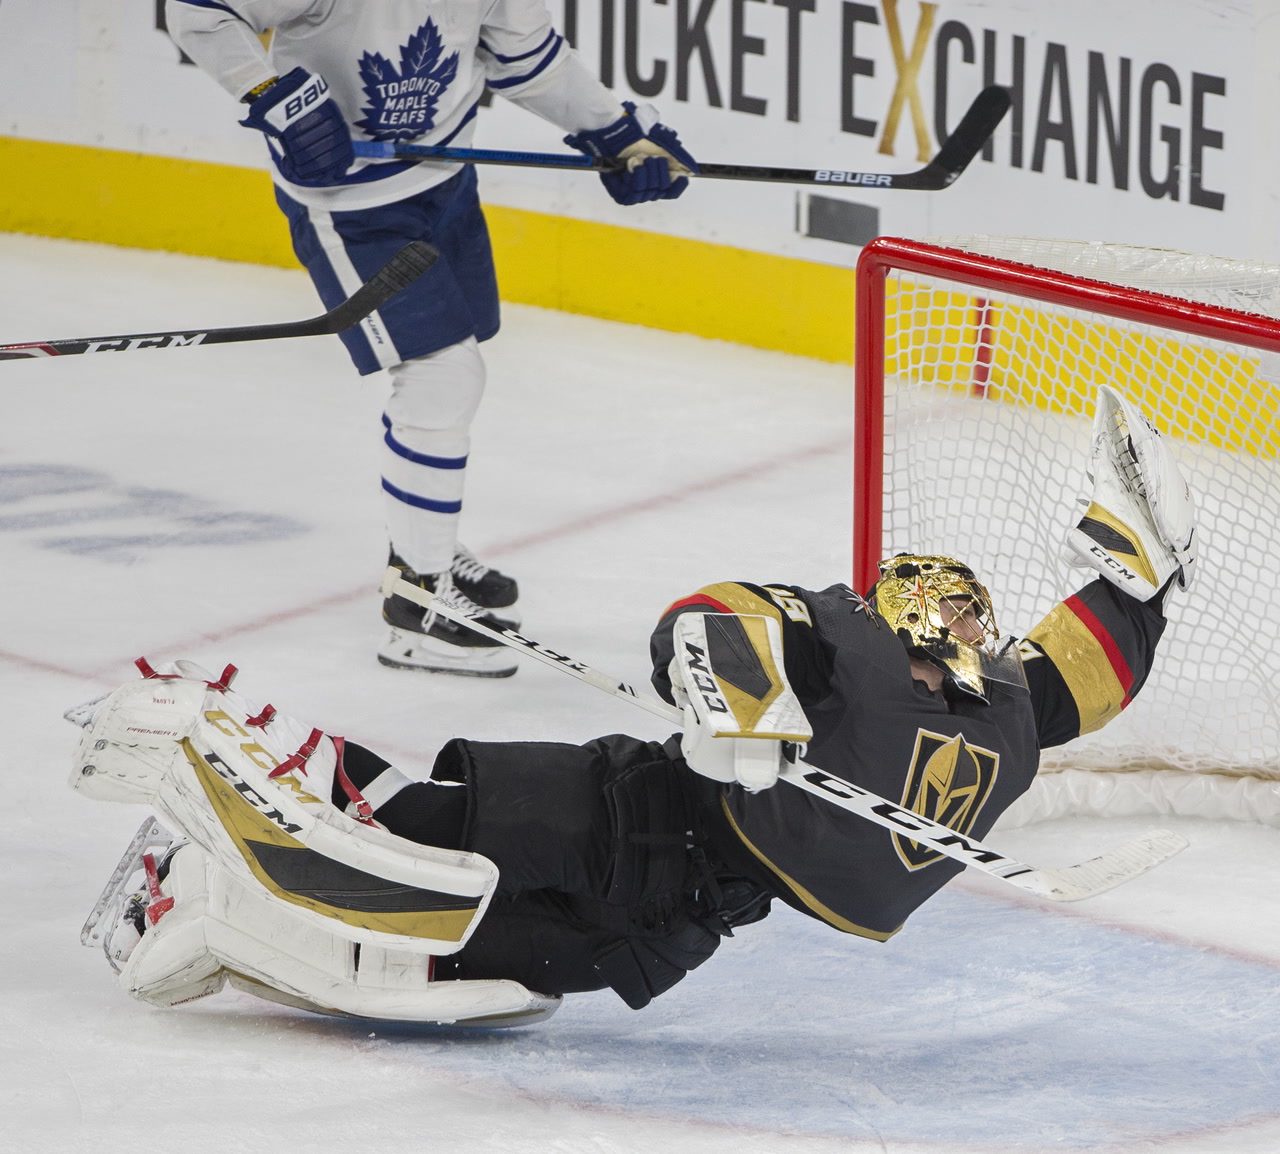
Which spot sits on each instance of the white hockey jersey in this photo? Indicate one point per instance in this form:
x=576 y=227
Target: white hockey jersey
x=399 y=70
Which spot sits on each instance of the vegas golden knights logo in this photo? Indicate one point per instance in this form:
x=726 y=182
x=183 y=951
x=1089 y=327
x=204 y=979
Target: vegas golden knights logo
x=949 y=782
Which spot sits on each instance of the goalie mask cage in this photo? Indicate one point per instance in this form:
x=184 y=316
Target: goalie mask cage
x=977 y=361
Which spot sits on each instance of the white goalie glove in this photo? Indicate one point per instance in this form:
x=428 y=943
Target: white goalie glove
x=1139 y=529
x=728 y=677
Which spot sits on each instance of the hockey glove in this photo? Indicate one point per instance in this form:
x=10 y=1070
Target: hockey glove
x=1139 y=529
x=306 y=131
x=727 y=675
x=655 y=166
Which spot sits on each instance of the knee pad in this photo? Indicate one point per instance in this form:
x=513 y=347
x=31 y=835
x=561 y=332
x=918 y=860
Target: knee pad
x=437 y=392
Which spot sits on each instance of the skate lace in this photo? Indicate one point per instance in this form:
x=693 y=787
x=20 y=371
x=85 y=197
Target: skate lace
x=446 y=590
x=467 y=567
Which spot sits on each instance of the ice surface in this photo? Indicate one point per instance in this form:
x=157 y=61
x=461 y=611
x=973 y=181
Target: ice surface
x=222 y=504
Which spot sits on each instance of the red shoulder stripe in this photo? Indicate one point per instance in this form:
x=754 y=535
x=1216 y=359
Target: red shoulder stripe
x=1103 y=636
x=696 y=599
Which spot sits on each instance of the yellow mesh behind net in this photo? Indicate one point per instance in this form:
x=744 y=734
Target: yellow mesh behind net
x=989 y=406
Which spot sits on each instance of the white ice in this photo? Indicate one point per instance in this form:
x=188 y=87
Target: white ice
x=222 y=504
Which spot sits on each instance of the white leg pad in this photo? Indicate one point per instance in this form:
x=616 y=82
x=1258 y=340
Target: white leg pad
x=204 y=758
x=220 y=928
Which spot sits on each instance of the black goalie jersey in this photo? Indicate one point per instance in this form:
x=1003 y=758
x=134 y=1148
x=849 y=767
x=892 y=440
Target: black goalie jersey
x=960 y=762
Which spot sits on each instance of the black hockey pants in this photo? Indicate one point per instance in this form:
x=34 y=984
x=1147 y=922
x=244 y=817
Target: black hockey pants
x=604 y=881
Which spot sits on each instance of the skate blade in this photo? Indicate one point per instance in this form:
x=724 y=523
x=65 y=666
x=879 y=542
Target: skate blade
x=455 y=670
x=150 y=836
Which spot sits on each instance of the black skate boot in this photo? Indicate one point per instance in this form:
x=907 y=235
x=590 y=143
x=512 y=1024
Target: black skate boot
x=487 y=587
x=420 y=639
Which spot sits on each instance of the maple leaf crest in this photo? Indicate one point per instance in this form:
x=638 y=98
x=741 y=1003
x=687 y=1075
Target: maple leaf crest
x=402 y=102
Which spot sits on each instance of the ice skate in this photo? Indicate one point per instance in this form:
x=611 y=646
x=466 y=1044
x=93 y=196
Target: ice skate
x=420 y=639
x=120 y=917
x=487 y=587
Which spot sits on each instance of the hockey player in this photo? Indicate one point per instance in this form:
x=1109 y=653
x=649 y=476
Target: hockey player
x=622 y=863
x=415 y=70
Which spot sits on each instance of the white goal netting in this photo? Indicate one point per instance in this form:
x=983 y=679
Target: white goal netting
x=989 y=406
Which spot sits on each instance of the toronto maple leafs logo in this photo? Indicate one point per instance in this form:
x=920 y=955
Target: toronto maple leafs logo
x=402 y=102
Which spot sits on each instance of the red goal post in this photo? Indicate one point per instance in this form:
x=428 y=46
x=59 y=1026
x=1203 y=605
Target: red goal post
x=974 y=379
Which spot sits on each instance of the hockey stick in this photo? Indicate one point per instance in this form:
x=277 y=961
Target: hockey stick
x=398 y=273
x=952 y=159
x=1068 y=884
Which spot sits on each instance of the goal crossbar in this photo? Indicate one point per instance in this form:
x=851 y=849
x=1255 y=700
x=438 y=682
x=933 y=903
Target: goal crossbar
x=895 y=254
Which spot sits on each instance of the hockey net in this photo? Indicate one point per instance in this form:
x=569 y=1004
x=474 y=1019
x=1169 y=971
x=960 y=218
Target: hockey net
x=977 y=365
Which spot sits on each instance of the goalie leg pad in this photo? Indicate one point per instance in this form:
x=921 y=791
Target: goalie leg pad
x=221 y=928
x=252 y=788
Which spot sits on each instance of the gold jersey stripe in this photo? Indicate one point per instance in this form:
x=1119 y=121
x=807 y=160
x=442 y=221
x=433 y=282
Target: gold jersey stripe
x=245 y=824
x=1084 y=665
x=741 y=599
x=827 y=914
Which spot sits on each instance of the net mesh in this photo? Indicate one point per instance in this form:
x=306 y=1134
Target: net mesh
x=988 y=413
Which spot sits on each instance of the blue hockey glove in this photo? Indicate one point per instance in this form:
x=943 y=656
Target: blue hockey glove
x=656 y=164
x=305 y=129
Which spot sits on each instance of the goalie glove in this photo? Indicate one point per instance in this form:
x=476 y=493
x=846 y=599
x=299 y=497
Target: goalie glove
x=728 y=678
x=1139 y=528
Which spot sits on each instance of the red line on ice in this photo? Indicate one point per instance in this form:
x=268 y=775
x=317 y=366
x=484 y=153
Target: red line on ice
x=582 y=524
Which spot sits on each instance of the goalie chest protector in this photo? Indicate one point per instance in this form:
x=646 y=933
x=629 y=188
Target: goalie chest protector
x=961 y=763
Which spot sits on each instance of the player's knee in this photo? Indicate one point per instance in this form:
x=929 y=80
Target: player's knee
x=439 y=391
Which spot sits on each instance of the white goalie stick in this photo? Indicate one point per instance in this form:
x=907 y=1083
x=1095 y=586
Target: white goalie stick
x=1067 y=884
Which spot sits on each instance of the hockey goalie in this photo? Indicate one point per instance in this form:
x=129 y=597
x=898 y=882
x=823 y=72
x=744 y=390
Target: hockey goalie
x=306 y=869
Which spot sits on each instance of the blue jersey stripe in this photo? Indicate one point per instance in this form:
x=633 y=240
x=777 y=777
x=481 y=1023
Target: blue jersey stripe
x=423 y=458
x=421 y=502
x=555 y=51
x=524 y=55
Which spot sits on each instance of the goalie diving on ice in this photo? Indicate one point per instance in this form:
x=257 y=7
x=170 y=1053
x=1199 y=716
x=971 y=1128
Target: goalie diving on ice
x=307 y=869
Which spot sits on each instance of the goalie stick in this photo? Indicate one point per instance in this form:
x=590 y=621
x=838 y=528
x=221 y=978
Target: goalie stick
x=398 y=273
x=978 y=123
x=1067 y=884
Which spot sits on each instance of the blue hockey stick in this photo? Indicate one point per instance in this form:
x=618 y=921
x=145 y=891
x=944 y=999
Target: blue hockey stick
x=952 y=159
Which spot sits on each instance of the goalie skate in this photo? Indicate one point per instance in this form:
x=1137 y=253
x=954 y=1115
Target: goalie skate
x=118 y=919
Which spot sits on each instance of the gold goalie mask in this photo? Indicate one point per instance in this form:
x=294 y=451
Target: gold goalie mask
x=943 y=614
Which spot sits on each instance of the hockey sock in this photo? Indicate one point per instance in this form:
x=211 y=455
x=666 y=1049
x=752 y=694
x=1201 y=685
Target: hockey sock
x=425 y=447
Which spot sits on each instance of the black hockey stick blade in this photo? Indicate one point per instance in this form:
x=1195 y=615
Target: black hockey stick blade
x=973 y=131
x=398 y=273
x=977 y=124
